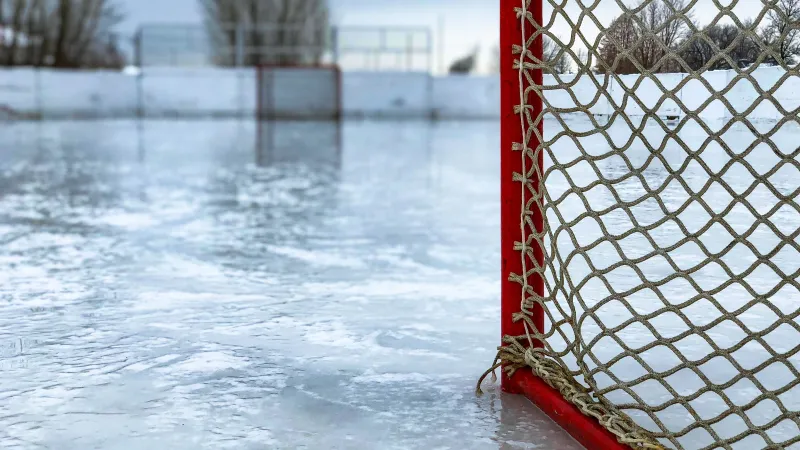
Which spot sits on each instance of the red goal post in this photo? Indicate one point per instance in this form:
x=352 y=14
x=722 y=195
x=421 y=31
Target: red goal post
x=650 y=227
x=585 y=429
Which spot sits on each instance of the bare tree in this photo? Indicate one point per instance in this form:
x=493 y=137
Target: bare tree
x=583 y=59
x=621 y=34
x=662 y=25
x=745 y=47
x=60 y=33
x=649 y=38
x=13 y=38
x=727 y=39
x=267 y=31
x=556 y=58
x=782 y=32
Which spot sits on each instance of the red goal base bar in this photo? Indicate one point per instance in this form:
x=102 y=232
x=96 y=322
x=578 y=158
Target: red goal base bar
x=584 y=429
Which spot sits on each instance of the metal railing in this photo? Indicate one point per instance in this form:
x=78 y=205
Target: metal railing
x=352 y=48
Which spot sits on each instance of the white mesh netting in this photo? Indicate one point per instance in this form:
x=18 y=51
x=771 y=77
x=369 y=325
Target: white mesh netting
x=671 y=176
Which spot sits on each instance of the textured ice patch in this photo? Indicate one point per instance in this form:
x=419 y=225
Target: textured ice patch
x=43 y=400
x=370 y=376
x=424 y=327
x=151 y=363
x=21 y=273
x=238 y=329
x=446 y=289
x=317 y=257
x=189 y=388
x=174 y=326
x=187 y=268
x=353 y=345
x=128 y=221
x=277 y=194
x=196 y=229
x=454 y=385
x=33 y=287
x=210 y=362
x=42 y=240
x=6 y=230
x=261 y=437
x=336 y=334
x=179 y=299
x=446 y=254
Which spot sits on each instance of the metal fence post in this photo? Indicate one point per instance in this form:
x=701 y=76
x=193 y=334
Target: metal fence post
x=239 y=45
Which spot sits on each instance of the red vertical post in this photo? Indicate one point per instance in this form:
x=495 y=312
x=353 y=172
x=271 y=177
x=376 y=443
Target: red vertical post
x=584 y=429
x=511 y=33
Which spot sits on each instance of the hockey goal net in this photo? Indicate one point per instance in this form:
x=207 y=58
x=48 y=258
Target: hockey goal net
x=302 y=92
x=650 y=219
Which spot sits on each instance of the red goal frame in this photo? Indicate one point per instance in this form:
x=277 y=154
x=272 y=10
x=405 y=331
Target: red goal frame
x=585 y=429
x=264 y=69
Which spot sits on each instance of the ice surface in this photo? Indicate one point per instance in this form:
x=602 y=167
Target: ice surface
x=172 y=285
x=186 y=285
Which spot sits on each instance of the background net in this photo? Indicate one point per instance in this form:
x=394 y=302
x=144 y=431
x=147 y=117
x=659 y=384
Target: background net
x=669 y=134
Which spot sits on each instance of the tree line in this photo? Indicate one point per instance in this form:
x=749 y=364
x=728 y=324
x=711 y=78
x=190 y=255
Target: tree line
x=80 y=33
x=263 y=32
x=659 y=38
x=60 y=33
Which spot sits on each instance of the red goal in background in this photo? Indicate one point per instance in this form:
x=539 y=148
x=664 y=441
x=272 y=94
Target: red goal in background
x=299 y=92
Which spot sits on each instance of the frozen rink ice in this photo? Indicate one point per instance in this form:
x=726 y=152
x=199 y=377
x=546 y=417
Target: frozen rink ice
x=191 y=284
x=168 y=284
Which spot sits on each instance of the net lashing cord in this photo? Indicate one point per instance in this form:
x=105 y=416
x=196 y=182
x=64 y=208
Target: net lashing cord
x=515 y=355
x=518 y=352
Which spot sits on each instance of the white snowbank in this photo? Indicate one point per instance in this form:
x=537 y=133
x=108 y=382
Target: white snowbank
x=185 y=92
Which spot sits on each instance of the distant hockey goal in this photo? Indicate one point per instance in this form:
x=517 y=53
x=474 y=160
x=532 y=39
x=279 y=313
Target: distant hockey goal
x=298 y=92
x=650 y=222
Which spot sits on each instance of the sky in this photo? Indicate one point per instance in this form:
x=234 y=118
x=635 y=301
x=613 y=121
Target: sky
x=457 y=26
